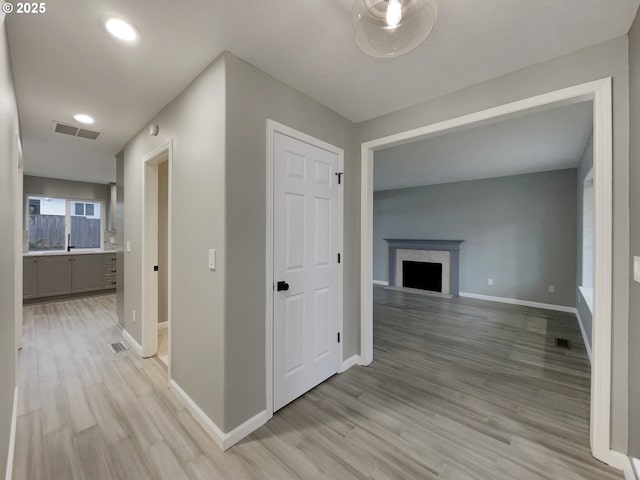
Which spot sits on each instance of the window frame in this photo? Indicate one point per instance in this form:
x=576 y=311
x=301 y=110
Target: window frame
x=67 y=222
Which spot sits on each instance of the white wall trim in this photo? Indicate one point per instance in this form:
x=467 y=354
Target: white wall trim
x=135 y=346
x=635 y=464
x=599 y=91
x=587 y=345
x=272 y=128
x=515 y=301
x=349 y=362
x=12 y=436
x=622 y=462
x=381 y=282
x=149 y=251
x=223 y=440
x=163 y=325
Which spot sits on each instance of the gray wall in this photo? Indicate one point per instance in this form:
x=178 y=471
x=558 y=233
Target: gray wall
x=195 y=121
x=634 y=178
x=609 y=59
x=9 y=131
x=518 y=230
x=163 y=246
x=585 y=165
x=54 y=187
x=218 y=126
x=583 y=169
x=585 y=316
x=252 y=98
x=119 y=217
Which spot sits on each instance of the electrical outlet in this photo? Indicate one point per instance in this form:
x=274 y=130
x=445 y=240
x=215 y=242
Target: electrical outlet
x=552 y=289
x=134 y=316
x=490 y=281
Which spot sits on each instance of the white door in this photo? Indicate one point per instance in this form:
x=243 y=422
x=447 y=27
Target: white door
x=307 y=232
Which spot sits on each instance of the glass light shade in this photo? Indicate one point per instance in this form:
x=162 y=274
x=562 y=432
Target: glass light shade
x=380 y=35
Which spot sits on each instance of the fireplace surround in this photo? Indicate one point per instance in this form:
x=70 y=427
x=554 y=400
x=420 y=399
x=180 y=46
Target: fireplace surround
x=444 y=252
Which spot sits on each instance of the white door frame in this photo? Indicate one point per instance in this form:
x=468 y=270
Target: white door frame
x=273 y=128
x=19 y=246
x=599 y=92
x=149 y=250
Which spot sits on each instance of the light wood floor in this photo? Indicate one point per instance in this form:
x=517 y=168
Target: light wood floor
x=460 y=389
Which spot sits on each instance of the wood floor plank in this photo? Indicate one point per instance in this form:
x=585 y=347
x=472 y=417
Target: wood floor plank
x=459 y=389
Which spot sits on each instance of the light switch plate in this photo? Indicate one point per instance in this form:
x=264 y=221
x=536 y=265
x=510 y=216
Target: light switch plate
x=490 y=281
x=552 y=289
x=636 y=269
x=128 y=246
x=212 y=259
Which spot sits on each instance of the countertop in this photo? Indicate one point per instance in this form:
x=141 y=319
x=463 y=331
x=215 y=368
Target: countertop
x=64 y=252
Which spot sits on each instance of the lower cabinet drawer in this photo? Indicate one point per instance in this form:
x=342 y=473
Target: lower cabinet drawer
x=109 y=281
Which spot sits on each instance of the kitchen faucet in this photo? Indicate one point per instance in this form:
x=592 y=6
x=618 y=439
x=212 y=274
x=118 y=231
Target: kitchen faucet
x=69 y=246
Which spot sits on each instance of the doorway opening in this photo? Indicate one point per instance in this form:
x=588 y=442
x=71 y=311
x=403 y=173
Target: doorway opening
x=156 y=256
x=599 y=92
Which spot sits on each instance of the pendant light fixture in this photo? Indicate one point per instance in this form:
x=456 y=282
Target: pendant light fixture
x=389 y=28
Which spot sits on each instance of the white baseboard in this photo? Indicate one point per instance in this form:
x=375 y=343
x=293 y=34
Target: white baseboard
x=223 y=440
x=635 y=468
x=132 y=342
x=525 y=303
x=350 y=362
x=622 y=462
x=163 y=325
x=12 y=436
x=587 y=345
x=381 y=282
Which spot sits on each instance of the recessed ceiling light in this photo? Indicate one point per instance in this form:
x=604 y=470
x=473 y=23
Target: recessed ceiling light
x=82 y=118
x=121 y=29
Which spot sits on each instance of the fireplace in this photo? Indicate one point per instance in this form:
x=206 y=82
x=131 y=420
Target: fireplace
x=431 y=265
x=422 y=275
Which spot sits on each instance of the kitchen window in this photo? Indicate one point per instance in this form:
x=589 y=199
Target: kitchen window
x=54 y=224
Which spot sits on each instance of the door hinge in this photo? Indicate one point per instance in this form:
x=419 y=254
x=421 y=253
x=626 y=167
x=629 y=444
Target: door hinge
x=155 y=268
x=338 y=337
x=339 y=174
x=339 y=257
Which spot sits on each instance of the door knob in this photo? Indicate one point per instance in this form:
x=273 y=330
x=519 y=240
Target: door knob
x=283 y=286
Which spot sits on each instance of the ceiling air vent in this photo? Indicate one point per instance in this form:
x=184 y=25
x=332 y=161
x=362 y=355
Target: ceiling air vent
x=91 y=135
x=66 y=129
x=74 y=131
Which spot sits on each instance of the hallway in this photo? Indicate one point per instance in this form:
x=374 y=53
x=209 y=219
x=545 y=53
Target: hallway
x=460 y=389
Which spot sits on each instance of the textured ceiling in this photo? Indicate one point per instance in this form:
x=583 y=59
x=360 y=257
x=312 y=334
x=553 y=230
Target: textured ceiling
x=538 y=142
x=65 y=63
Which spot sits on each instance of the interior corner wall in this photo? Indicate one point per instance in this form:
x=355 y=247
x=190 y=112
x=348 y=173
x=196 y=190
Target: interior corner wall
x=634 y=288
x=608 y=59
x=586 y=163
x=584 y=167
x=195 y=122
x=9 y=145
x=119 y=217
x=252 y=98
x=71 y=189
x=518 y=230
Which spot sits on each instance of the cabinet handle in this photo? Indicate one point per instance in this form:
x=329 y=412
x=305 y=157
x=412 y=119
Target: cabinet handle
x=114 y=282
x=114 y=271
x=113 y=259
